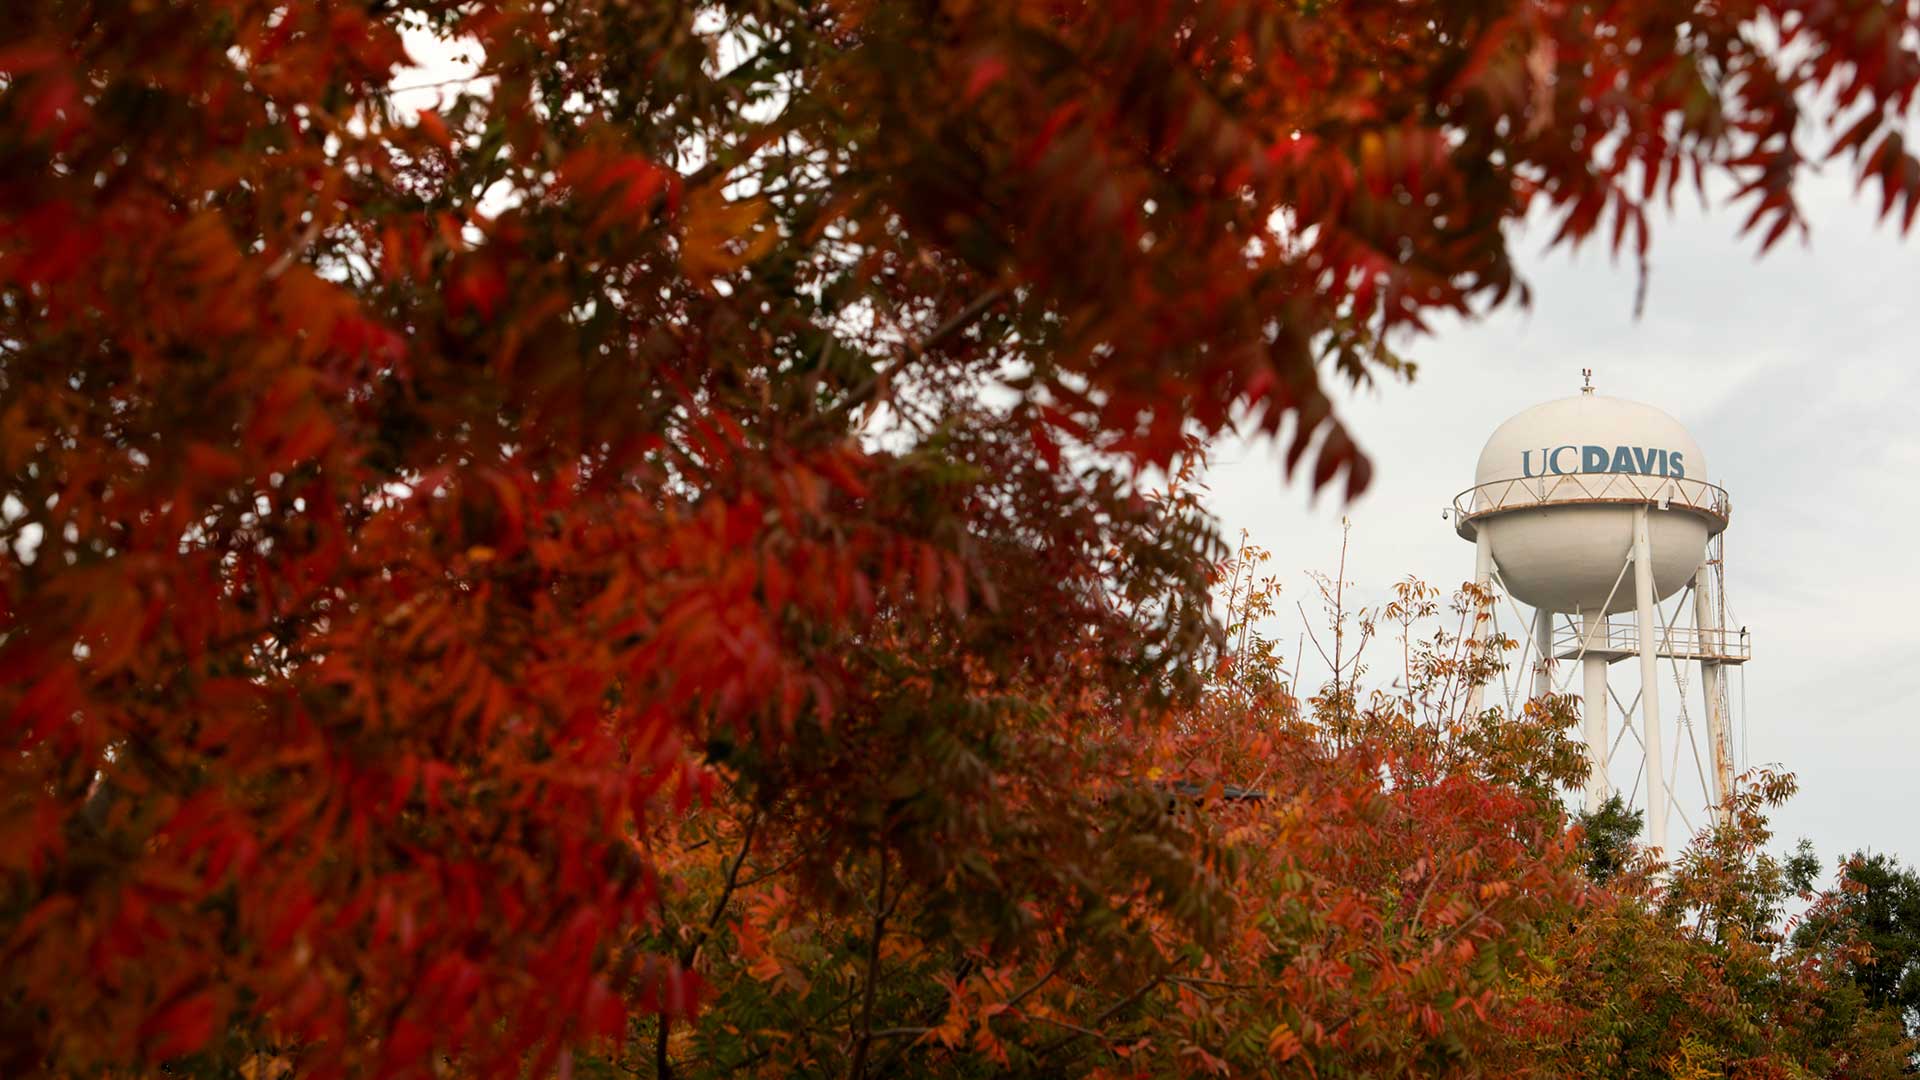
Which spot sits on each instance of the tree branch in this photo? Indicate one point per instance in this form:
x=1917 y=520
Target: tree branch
x=726 y=891
x=857 y=1067
x=961 y=973
x=1105 y=1014
x=874 y=384
x=1047 y=977
x=662 y=1064
x=305 y=241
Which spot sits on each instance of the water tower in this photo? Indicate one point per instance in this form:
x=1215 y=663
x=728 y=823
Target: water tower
x=1592 y=506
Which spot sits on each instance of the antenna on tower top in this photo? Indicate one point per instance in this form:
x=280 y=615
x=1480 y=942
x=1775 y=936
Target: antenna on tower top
x=1586 y=381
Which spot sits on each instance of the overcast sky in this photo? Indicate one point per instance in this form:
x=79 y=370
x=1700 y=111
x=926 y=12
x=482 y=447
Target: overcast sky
x=1795 y=374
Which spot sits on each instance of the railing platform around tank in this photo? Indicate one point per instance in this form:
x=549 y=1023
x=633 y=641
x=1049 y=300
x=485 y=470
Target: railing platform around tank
x=1589 y=489
x=1619 y=640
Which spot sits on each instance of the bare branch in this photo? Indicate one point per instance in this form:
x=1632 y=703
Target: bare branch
x=876 y=384
x=863 y=1041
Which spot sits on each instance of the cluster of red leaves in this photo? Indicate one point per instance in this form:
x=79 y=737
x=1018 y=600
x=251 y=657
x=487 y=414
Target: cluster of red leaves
x=1391 y=890
x=398 y=514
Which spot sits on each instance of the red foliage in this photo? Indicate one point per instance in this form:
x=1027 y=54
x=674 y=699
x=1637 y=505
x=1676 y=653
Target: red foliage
x=399 y=513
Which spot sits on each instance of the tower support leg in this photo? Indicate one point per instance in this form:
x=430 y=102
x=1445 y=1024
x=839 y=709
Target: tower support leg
x=1593 y=672
x=1482 y=619
x=1542 y=652
x=1649 y=685
x=1713 y=686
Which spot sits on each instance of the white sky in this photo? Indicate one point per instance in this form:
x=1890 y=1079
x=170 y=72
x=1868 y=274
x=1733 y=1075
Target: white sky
x=1795 y=372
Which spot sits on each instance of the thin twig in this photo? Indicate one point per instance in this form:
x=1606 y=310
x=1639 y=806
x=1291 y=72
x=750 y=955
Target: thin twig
x=775 y=872
x=1105 y=1015
x=1023 y=995
x=483 y=73
x=961 y=973
x=662 y=1063
x=857 y=1066
x=299 y=248
x=1072 y=1027
x=873 y=385
x=726 y=891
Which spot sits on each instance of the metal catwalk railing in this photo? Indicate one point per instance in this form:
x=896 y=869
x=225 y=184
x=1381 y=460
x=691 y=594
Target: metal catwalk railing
x=1615 y=639
x=1573 y=489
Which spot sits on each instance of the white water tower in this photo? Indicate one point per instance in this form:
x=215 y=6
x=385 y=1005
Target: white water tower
x=1590 y=506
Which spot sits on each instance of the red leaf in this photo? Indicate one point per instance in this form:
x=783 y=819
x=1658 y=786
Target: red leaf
x=986 y=71
x=434 y=128
x=181 y=1027
x=210 y=464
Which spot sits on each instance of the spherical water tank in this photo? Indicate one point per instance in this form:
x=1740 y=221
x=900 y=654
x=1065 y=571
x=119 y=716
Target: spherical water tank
x=1556 y=490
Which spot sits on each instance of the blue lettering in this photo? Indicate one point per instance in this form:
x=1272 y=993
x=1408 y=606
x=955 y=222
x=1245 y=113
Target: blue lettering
x=1644 y=460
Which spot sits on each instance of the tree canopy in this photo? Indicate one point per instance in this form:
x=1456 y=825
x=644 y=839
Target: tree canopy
x=1876 y=905
x=411 y=524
